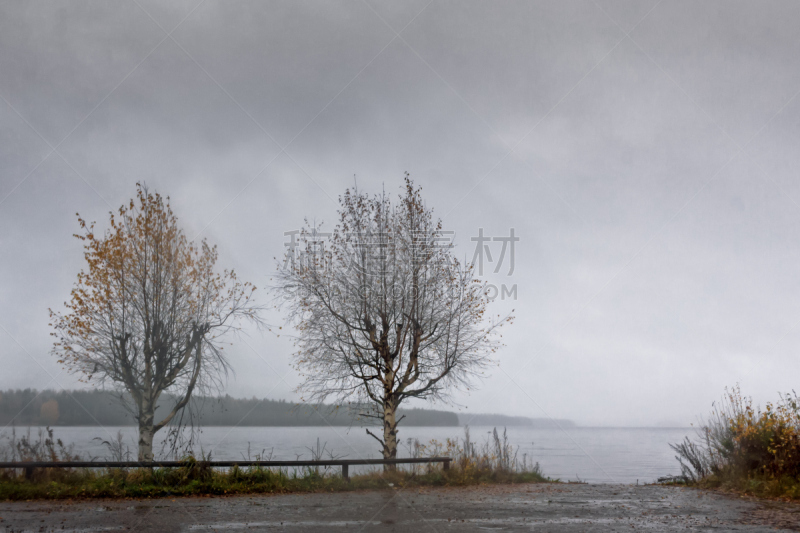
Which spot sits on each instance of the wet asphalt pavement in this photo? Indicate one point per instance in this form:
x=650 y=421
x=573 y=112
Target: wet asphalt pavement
x=539 y=507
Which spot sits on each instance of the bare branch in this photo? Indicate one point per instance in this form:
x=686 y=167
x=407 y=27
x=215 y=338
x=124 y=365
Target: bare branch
x=384 y=311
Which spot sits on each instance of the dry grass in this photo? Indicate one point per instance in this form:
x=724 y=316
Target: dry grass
x=746 y=449
x=494 y=461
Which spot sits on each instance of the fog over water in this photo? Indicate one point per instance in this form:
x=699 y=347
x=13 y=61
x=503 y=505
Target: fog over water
x=645 y=154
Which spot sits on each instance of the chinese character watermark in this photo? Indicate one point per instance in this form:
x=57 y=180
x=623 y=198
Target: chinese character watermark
x=369 y=254
x=374 y=254
x=483 y=252
x=308 y=252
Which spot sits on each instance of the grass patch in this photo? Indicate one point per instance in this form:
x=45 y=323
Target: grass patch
x=495 y=461
x=191 y=481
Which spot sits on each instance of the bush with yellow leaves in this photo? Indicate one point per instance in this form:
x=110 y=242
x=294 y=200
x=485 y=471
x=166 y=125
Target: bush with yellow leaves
x=746 y=448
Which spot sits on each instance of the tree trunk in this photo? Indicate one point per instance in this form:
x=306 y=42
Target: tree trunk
x=146 y=443
x=389 y=433
x=146 y=434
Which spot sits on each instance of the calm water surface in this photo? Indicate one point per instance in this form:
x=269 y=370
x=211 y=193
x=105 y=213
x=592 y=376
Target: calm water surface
x=596 y=455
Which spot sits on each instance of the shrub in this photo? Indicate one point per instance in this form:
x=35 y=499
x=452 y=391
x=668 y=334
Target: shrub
x=745 y=448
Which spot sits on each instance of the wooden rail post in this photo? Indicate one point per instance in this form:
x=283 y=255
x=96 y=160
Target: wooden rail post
x=446 y=464
x=345 y=471
x=29 y=473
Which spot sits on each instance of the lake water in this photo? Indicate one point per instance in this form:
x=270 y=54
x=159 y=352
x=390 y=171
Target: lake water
x=596 y=455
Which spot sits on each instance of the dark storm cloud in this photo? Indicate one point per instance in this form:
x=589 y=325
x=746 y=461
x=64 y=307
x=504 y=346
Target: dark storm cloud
x=658 y=247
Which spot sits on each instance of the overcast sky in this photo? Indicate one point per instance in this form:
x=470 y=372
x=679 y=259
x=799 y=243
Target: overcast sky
x=645 y=153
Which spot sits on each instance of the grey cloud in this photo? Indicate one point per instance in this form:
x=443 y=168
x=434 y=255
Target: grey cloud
x=650 y=275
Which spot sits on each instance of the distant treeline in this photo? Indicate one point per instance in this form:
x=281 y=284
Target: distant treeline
x=508 y=421
x=90 y=408
x=29 y=407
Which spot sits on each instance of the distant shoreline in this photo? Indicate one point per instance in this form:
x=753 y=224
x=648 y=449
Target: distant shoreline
x=82 y=408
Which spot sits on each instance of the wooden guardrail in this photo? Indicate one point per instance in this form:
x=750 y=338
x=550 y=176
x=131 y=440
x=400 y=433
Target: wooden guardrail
x=344 y=463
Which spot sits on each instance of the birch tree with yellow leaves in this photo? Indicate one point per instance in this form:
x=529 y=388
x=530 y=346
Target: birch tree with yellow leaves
x=149 y=313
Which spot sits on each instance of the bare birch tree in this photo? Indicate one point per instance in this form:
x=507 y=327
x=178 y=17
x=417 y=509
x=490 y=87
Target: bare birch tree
x=383 y=309
x=148 y=314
